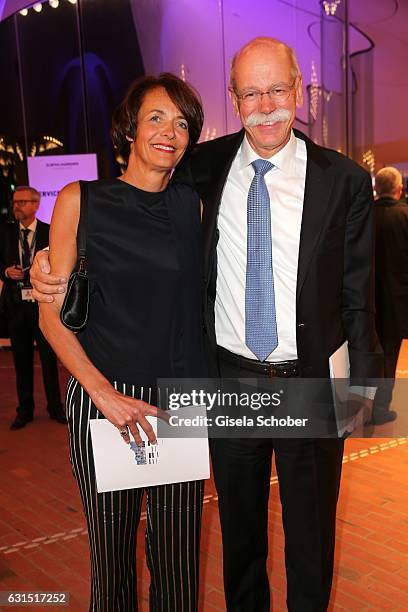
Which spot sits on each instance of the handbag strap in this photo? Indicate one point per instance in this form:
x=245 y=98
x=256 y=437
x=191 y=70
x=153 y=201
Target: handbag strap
x=83 y=222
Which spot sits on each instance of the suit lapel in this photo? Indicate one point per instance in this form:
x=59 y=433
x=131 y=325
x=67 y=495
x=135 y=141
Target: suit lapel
x=42 y=239
x=316 y=198
x=212 y=186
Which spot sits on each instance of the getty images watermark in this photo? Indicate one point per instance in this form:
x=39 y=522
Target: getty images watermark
x=242 y=412
x=262 y=408
x=255 y=401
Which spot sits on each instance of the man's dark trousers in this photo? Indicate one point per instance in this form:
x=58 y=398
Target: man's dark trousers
x=23 y=327
x=391 y=347
x=309 y=473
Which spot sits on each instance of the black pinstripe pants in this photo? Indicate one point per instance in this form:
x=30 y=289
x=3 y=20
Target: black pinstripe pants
x=172 y=526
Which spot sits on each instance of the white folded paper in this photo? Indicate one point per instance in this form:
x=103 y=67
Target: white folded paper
x=339 y=364
x=121 y=466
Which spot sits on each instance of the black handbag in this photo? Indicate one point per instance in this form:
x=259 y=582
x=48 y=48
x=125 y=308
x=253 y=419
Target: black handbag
x=74 y=311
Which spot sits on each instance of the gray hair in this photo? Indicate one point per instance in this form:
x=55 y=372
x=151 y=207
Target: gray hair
x=388 y=181
x=33 y=192
x=265 y=40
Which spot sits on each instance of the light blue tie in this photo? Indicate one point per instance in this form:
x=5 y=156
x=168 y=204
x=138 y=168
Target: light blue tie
x=261 y=335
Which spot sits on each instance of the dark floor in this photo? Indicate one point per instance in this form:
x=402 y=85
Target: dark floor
x=43 y=542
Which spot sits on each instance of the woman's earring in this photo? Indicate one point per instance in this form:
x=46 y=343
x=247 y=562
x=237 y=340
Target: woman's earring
x=129 y=139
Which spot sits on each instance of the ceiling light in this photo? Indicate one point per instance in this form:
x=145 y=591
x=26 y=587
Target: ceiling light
x=330 y=8
x=54 y=3
x=24 y=12
x=72 y=1
x=38 y=7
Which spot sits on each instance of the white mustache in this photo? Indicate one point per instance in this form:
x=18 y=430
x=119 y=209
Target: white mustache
x=280 y=114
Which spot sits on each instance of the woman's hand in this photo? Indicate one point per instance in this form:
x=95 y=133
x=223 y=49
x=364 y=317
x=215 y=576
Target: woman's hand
x=126 y=413
x=45 y=284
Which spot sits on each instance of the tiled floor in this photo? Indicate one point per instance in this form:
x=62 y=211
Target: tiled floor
x=43 y=543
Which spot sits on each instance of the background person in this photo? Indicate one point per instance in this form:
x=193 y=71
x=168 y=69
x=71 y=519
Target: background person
x=145 y=323
x=18 y=243
x=391 y=282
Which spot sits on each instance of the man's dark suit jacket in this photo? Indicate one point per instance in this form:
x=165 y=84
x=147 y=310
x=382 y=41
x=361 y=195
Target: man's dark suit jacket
x=9 y=255
x=391 y=221
x=335 y=288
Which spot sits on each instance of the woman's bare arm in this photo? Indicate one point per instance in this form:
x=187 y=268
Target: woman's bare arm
x=120 y=410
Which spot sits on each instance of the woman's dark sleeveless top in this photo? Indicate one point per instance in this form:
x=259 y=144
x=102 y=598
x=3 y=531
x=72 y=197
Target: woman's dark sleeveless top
x=144 y=267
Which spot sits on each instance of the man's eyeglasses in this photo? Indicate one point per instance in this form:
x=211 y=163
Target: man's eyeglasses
x=22 y=202
x=278 y=93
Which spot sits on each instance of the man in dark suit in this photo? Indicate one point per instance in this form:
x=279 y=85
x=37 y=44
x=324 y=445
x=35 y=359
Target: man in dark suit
x=321 y=216
x=280 y=209
x=18 y=243
x=391 y=283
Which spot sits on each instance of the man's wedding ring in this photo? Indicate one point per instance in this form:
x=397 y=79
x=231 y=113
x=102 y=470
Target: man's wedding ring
x=124 y=432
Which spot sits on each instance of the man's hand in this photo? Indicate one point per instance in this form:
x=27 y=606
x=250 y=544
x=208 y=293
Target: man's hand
x=14 y=273
x=368 y=410
x=45 y=284
x=359 y=402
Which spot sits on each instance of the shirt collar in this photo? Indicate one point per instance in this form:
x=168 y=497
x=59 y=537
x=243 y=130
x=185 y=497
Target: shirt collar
x=284 y=159
x=32 y=226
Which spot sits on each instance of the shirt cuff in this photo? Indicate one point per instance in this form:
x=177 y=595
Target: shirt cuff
x=367 y=392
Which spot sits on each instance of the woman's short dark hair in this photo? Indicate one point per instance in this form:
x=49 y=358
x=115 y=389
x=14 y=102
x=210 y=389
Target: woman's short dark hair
x=184 y=96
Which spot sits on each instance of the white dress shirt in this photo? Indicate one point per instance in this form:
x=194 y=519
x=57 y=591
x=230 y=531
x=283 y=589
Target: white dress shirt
x=286 y=186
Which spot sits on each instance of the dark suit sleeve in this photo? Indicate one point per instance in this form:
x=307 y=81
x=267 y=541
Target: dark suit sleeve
x=42 y=241
x=3 y=261
x=358 y=286
x=183 y=173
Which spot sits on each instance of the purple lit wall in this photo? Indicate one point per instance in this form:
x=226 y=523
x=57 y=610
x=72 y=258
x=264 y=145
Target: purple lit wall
x=186 y=38
x=198 y=39
x=9 y=7
x=387 y=24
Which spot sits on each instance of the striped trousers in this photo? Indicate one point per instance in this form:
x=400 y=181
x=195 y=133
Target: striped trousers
x=173 y=521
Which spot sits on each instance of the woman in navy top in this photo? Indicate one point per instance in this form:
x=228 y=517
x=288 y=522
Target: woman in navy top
x=143 y=259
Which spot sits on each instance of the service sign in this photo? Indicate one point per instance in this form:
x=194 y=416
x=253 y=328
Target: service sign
x=49 y=174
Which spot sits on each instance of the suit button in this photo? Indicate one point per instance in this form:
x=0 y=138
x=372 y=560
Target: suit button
x=301 y=325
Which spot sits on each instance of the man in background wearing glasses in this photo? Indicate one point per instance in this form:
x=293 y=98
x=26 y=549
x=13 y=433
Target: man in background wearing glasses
x=18 y=243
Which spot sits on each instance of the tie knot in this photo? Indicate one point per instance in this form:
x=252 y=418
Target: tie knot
x=26 y=232
x=262 y=166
